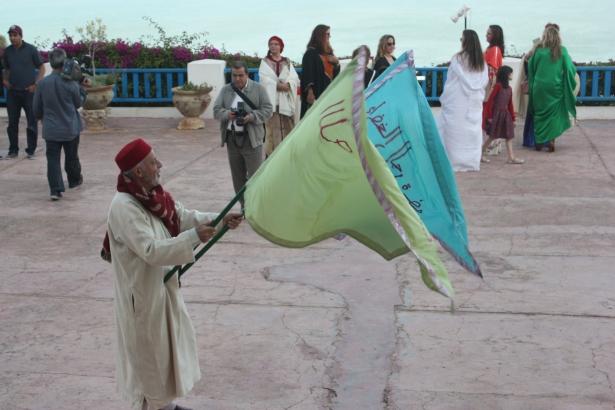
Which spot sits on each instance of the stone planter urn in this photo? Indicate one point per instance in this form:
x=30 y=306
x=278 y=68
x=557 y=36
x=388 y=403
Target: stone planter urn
x=95 y=107
x=191 y=104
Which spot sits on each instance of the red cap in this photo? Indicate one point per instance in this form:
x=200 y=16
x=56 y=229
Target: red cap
x=132 y=153
x=16 y=29
x=279 y=40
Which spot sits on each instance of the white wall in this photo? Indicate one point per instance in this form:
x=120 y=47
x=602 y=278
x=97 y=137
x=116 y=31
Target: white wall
x=210 y=72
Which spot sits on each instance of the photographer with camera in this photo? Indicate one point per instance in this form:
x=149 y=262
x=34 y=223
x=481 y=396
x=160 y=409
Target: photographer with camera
x=243 y=108
x=56 y=101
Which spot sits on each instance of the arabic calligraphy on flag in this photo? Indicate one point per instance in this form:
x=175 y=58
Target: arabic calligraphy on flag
x=402 y=128
x=327 y=178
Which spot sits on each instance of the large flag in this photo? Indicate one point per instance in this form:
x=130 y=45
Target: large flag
x=327 y=178
x=401 y=126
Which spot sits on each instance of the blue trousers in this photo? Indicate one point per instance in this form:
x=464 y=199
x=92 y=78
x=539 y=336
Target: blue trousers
x=72 y=166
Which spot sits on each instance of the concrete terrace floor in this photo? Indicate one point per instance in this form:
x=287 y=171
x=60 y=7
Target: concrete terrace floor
x=332 y=326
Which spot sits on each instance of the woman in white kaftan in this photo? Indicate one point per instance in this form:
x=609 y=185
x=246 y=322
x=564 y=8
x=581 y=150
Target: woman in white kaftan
x=278 y=76
x=460 y=120
x=156 y=345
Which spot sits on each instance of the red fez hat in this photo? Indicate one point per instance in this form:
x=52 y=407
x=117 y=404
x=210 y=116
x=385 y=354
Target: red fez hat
x=15 y=29
x=279 y=40
x=132 y=153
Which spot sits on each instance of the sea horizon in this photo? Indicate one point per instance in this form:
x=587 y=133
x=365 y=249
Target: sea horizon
x=427 y=29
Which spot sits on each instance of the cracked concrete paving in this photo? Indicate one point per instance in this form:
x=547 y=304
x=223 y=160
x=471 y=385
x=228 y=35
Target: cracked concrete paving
x=332 y=326
x=537 y=332
x=366 y=330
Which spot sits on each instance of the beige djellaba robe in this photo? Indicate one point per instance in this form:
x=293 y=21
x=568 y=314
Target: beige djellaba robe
x=284 y=103
x=156 y=344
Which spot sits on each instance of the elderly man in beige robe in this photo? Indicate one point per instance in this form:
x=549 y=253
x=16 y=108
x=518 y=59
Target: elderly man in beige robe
x=147 y=234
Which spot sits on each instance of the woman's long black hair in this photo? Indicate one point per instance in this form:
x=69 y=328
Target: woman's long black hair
x=498 y=37
x=502 y=76
x=319 y=40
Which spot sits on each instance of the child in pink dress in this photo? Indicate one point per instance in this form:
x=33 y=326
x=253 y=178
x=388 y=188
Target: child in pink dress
x=500 y=115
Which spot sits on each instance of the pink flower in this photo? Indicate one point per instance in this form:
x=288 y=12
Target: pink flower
x=182 y=54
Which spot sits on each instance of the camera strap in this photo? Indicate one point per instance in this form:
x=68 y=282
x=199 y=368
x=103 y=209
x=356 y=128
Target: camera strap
x=250 y=104
x=243 y=97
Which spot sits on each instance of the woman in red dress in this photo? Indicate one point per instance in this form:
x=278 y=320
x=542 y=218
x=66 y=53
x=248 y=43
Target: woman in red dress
x=493 y=58
x=495 y=52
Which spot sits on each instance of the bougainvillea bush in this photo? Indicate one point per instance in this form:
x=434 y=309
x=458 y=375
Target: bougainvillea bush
x=161 y=51
x=119 y=53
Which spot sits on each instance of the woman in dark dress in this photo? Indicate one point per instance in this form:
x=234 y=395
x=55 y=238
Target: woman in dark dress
x=500 y=115
x=369 y=73
x=384 y=55
x=320 y=66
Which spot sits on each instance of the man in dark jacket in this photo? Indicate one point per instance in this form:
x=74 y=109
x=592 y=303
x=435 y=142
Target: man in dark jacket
x=55 y=102
x=20 y=62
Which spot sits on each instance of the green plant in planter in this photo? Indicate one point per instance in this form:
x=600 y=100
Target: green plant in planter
x=188 y=86
x=100 y=80
x=94 y=36
x=192 y=100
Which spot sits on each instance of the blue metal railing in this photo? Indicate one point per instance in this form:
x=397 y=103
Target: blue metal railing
x=146 y=85
x=154 y=85
x=430 y=86
x=600 y=83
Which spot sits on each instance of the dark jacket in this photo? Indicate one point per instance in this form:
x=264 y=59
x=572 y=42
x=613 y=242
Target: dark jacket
x=55 y=102
x=380 y=66
x=313 y=76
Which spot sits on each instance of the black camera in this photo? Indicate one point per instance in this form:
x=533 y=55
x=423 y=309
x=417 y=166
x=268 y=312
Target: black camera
x=73 y=70
x=240 y=113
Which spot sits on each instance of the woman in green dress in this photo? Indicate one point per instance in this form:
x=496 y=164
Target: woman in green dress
x=551 y=78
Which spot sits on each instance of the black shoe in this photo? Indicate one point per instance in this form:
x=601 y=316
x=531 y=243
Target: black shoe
x=551 y=146
x=76 y=184
x=11 y=155
x=55 y=196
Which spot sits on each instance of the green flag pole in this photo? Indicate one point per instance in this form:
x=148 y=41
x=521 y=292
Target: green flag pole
x=211 y=242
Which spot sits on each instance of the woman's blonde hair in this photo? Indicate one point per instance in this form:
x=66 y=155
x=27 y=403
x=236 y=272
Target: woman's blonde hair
x=382 y=44
x=552 y=41
x=2 y=41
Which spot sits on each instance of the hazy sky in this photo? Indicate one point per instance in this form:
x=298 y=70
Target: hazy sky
x=426 y=27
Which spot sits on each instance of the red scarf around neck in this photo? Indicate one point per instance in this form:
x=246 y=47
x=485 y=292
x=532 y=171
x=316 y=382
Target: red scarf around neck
x=157 y=201
x=276 y=65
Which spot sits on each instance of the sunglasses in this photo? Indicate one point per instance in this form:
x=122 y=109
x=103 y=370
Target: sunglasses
x=390 y=44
